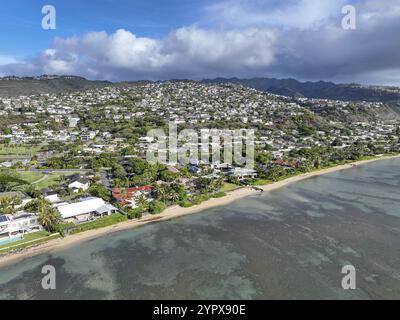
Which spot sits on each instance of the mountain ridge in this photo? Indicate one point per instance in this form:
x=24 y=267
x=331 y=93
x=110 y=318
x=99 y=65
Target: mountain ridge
x=12 y=86
x=317 y=90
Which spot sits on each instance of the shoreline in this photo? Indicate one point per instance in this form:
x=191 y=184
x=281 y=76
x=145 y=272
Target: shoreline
x=169 y=214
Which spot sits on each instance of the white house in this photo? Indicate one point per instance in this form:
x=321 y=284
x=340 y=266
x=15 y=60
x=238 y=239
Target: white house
x=243 y=173
x=79 y=184
x=12 y=228
x=52 y=196
x=86 y=209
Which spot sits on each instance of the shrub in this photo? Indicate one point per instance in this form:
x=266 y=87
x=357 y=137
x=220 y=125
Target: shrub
x=136 y=213
x=186 y=204
x=199 y=199
x=219 y=195
x=157 y=207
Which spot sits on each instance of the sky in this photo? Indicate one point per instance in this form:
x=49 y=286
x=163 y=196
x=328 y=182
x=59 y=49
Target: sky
x=185 y=39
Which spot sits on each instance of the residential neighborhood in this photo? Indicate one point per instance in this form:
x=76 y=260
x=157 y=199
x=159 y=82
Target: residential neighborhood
x=72 y=161
x=235 y=152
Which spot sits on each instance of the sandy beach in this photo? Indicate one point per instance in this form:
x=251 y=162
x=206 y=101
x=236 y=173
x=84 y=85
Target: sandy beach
x=168 y=214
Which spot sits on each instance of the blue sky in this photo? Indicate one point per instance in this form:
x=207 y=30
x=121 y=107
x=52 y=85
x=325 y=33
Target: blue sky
x=160 y=39
x=20 y=20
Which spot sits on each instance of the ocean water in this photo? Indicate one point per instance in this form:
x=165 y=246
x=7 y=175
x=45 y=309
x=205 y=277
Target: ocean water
x=287 y=244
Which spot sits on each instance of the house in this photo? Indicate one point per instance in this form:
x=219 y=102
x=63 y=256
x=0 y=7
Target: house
x=88 y=136
x=13 y=228
x=4 y=229
x=79 y=184
x=243 y=173
x=287 y=163
x=129 y=196
x=6 y=164
x=147 y=139
x=51 y=196
x=85 y=210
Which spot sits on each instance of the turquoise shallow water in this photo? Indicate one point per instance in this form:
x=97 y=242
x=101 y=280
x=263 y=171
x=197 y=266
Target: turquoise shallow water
x=287 y=244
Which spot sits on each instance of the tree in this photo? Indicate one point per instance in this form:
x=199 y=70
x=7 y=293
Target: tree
x=100 y=191
x=233 y=180
x=160 y=192
x=203 y=184
x=141 y=201
x=157 y=207
x=137 y=165
x=49 y=217
x=7 y=130
x=140 y=181
x=32 y=191
x=8 y=204
x=119 y=172
x=217 y=184
x=10 y=181
x=337 y=142
x=172 y=195
x=168 y=176
x=275 y=173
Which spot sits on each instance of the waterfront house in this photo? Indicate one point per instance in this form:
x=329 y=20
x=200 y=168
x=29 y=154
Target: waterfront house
x=129 y=196
x=85 y=210
x=13 y=227
x=243 y=173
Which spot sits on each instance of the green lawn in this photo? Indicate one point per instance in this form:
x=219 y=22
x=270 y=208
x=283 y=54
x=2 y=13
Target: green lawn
x=100 y=223
x=50 y=180
x=30 y=177
x=19 y=150
x=29 y=240
x=42 y=181
x=229 y=187
x=261 y=182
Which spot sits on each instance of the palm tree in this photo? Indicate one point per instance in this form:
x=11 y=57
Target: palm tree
x=48 y=217
x=141 y=201
x=173 y=196
x=8 y=204
x=161 y=192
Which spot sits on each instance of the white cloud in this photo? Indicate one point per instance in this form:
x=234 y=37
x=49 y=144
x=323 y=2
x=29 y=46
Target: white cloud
x=302 y=38
x=188 y=51
x=299 y=14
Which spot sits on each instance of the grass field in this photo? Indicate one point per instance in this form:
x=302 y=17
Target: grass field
x=261 y=182
x=19 y=150
x=43 y=181
x=48 y=181
x=31 y=177
x=29 y=240
x=229 y=187
x=100 y=223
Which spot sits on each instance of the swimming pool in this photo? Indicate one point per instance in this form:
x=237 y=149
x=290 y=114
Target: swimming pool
x=12 y=239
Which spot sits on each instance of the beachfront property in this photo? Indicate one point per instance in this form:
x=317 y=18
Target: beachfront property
x=243 y=173
x=13 y=227
x=86 y=209
x=129 y=196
